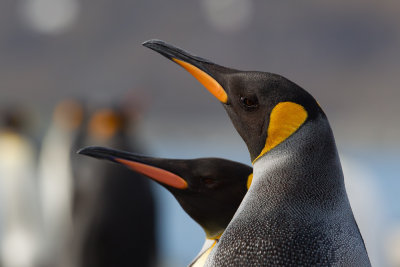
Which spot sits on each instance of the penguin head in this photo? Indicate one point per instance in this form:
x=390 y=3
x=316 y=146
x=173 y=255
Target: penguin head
x=265 y=108
x=106 y=124
x=208 y=189
x=68 y=115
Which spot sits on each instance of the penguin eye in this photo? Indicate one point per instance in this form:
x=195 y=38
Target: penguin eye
x=249 y=103
x=208 y=181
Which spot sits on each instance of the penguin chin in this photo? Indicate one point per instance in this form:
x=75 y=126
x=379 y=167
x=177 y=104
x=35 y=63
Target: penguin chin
x=254 y=139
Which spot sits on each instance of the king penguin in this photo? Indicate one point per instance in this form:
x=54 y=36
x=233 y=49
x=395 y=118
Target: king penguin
x=208 y=189
x=55 y=181
x=296 y=212
x=114 y=214
x=20 y=223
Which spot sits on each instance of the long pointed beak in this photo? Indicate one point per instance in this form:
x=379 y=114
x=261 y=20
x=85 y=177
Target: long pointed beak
x=202 y=69
x=144 y=165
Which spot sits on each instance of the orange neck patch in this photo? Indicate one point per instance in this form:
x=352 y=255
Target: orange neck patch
x=201 y=261
x=249 y=180
x=215 y=237
x=285 y=119
x=206 y=80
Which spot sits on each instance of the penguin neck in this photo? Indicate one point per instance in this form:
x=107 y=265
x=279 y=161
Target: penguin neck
x=304 y=170
x=213 y=223
x=205 y=251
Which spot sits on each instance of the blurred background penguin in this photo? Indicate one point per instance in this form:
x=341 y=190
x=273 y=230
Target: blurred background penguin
x=19 y=201
x=56 y=181
x=92 y=214
x=114 y=207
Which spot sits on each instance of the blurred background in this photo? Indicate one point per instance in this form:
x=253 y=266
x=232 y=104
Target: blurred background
x=73 y=73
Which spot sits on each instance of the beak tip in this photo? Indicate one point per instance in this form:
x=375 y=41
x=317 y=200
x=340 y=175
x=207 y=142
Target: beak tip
x=147 y=43
x=88 y=151
x=81 y=151
x=152 y=42
x=159 y=47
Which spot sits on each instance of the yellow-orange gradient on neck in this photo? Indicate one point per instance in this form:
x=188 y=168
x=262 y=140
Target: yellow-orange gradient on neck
x=249 y=181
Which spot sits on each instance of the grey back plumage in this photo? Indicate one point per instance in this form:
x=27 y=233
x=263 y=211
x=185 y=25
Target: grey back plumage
x=296 y=212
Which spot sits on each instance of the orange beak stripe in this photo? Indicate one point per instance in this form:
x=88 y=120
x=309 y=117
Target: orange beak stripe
x=157 y=174
x=206 y=80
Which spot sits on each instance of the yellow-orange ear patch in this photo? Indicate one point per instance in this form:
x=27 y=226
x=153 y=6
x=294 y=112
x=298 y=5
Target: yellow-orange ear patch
x=206 y=80
x=285 y=119
x=249 y=180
